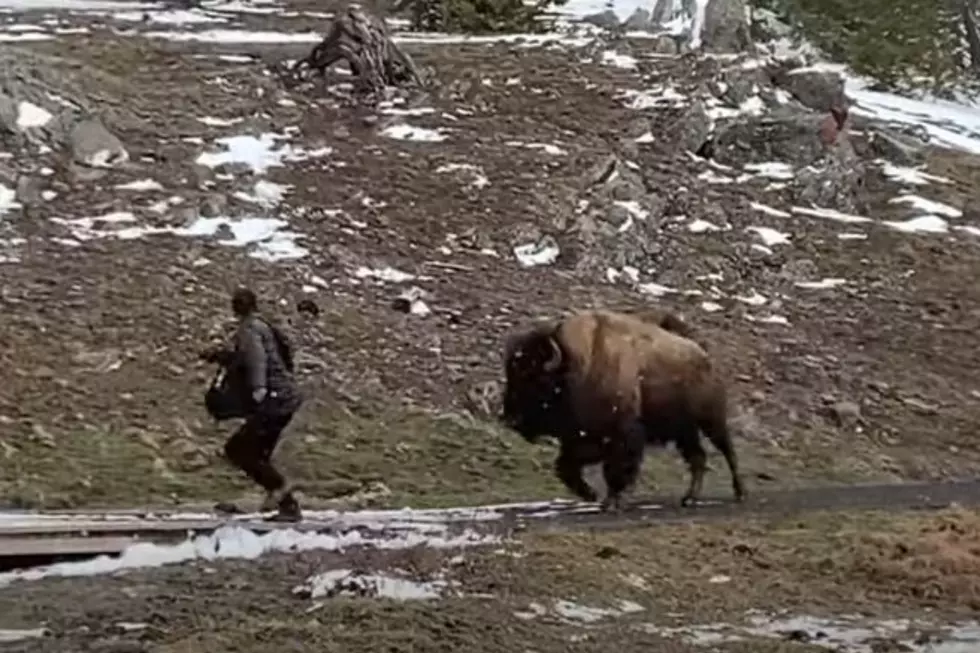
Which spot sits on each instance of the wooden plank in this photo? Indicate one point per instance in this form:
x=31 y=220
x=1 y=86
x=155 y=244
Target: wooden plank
x=90 y=528
x=53 y=546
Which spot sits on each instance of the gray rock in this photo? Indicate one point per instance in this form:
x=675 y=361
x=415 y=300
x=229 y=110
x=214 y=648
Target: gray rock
x=214 y=205
x=766 y=26
x=693 y=127
x=780 y=136
x=834 y=185
x=897 y=148
x=29 y=190
x=816 y=89
x=607 y=19
x=726 y=28
x=639 y=21
x=664 y=44
x=846 y=414
x=95 y=146
x=8 y=113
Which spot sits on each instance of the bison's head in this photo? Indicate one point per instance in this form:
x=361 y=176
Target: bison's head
x=533 y=399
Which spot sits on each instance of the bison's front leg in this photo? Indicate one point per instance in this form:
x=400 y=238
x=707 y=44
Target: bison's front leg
x=621 y=466
x=568 y=467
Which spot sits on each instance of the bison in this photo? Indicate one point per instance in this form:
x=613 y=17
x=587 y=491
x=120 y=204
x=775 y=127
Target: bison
x=606 y=385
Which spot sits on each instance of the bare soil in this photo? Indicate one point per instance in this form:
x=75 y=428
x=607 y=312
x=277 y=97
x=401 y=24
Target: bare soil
x=877 y=565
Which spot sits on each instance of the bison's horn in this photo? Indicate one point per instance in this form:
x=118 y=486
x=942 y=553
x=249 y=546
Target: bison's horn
x=552 y=363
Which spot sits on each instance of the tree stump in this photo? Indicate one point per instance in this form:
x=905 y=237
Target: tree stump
x=364 y=43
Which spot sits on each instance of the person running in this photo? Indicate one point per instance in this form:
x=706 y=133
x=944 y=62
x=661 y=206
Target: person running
x=262 y=359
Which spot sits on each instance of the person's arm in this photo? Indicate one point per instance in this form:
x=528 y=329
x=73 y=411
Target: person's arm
x=253 y=353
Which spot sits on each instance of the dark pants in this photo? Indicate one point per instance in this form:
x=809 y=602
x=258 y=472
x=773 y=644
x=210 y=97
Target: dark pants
x=250 y=447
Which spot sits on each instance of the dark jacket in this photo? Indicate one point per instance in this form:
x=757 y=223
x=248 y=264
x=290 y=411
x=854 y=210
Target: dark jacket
x=258 y=361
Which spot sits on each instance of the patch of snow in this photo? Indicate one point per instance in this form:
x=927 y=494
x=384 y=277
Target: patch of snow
x=25 y=36
x=141 y=185
x=830 y=214
x=480 y=179
x=384 y=274
x=8 y=635
x=768 y=210
x=543 y=252
x=658 y=96
x=344 y=582
x=755 y=299
x=257 y=153
x=928 y=206
x=8 y=199
x=265 y=193
x=700 y=226
x=852 y=236
x=912 y=176
x=405 y=132
x=613 y=58
x=172 y=17
x=235 y=542
x=576 y=612
x=830 y=282
x=771 y=170
x=711 y=307
x=211 y=121
x=645 y=138
x=30 y=116
x=770 y=236
x=927 y=224
x=75 y=5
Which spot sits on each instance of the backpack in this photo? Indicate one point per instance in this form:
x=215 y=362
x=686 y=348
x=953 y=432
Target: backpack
x=283 y=346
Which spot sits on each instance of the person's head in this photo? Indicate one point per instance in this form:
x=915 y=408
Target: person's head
x=243 y=302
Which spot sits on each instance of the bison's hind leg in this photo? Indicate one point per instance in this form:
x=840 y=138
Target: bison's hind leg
x=689 y=445
x=568 y=468
x=716 y=430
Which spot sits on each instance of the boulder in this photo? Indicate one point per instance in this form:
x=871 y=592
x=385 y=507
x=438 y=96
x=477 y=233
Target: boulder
x=813 y=88
x=726 y=27
x=95 y=146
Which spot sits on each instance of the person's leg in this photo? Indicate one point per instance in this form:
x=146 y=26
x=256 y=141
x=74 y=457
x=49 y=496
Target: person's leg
x=278 y=492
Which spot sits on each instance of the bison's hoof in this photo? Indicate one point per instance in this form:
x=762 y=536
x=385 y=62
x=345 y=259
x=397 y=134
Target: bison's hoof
x=689 y=501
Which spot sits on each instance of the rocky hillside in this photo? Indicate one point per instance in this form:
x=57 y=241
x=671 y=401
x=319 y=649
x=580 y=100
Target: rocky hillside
x=152 y=159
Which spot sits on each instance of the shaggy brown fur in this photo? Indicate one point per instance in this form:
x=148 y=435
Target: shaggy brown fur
x=607 y=385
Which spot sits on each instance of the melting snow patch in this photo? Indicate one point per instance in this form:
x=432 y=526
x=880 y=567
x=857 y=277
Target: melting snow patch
x=645 y=138
x=480 y=179
x=344 y=582
x=575 y=612
x=173 y=17
x=711 y=307
x=404 y=132
x=822 y=284
x=8 y=636
x=912 y=176
x=852 y=236
x=770 y=236
x=928 y=224
x=236 y=36
x=237 y=542
x=830 y=214
x=265 y=193
x=700 y=226
x=30 y=115
x=8 y=199
x=768 y=210
x=928 y=206
x=211 y=121
x=755 y=299
x=613 y=58
x=384 y=274
x=543 y=252
x=771 y=170
x=141 y=185
x=257 y=153
x=662 y=96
